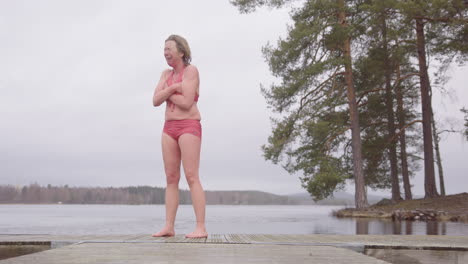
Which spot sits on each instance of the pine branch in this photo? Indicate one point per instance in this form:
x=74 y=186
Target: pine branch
x=403 y=129
x=399 y=79
x=368 y=91
x=334 y=136
x=363 y=104
x=375 y=124
x=448 y=131
x=442 y=19
x=407 y=41
x=317 y=89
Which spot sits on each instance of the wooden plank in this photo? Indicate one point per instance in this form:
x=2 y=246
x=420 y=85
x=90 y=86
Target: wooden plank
x=372 y=241
x=194 y=240
x=237 y=238
x=139 y=237
x=174 y=239
x=217 y=238
x=131 y=253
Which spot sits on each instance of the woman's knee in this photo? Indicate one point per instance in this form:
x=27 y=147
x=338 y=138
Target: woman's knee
x=192 y=178
x=172 y=177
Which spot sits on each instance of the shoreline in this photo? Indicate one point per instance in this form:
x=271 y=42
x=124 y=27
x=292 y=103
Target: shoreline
x=450 y=208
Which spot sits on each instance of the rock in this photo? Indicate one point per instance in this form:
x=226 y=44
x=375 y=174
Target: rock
x=420 y=215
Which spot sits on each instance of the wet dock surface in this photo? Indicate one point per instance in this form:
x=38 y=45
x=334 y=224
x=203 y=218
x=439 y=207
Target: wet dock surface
x=220 y=248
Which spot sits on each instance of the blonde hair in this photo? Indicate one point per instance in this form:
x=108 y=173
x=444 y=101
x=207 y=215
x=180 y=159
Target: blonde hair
x=182 y=46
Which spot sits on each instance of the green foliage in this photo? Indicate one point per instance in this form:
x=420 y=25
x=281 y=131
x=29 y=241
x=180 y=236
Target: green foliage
x=283 y=134
x=312 y=99
x=446 y=28
x=329 y=177
x=385 y=53
x=247 y=6
x=311 y=134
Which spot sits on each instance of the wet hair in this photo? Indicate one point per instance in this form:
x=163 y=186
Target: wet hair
x=182 y=46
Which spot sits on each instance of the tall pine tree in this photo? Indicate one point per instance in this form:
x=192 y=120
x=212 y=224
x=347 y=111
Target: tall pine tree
x=347 y=92
x=316 y=98
x=428 y=18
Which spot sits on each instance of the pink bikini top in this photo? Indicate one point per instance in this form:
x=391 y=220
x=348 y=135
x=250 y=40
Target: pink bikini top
x=169 y=83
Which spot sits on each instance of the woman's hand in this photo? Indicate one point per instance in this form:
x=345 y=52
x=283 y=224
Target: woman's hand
x=162 y=91
x=171 y=90
x=187 y=88
x=177 y=87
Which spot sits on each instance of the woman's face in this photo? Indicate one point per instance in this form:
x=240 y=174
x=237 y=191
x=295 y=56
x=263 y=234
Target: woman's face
x=171 y=53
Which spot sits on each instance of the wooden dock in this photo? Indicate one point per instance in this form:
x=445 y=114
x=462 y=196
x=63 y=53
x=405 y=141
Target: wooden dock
x=219 y=248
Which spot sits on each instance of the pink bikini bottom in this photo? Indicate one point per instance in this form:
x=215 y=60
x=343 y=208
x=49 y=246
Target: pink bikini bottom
x=175 y=128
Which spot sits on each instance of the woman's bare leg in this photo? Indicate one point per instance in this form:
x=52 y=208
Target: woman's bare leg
x=190 y=153
x=171 y=157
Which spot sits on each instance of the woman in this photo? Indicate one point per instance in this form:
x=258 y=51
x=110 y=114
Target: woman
x=181 y=137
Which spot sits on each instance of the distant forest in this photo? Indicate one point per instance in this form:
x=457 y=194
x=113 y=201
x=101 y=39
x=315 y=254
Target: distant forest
x=36 y=194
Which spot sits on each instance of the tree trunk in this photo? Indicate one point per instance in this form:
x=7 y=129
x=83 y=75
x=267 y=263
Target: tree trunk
x=429 y=175
x=403 y=155
x=396 y=196
x=438 y=158
x=360 y=195
x=362 y=226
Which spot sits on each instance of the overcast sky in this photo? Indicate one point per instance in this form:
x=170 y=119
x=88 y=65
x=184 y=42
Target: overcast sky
x=77 y=79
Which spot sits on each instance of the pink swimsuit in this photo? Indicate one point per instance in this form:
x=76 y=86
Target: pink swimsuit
x=169 y=83
x=175 y=128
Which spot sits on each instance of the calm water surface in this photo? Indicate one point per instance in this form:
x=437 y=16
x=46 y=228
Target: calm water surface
x=241 y=219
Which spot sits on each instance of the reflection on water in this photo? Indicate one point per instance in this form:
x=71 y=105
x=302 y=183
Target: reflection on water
x=406 y=256
x=409 y=228
x=400 y=227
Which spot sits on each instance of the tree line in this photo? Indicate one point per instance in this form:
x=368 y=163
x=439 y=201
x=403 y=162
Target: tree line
x=36 y=194
x=355 y=91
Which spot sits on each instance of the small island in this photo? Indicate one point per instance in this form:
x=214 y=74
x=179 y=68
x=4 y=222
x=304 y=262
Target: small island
x=443 y=208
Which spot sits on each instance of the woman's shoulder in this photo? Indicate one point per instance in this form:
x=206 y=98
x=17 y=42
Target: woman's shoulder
x=191 y=69
x=165 y=73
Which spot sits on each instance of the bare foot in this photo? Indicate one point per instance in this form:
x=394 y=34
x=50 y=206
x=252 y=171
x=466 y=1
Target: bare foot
x=198 y=233
x=165 y=232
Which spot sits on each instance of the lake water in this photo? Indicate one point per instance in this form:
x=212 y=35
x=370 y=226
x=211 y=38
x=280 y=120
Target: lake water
x=241 y=219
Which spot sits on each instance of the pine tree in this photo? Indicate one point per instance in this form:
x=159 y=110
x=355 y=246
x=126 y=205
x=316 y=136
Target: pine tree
x=429 y=17
x=379 y=76
x=382 y=32
x=403 y=118
x=345 y=102
x=316 y=97
x=360 y=193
